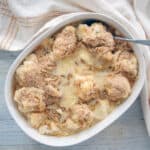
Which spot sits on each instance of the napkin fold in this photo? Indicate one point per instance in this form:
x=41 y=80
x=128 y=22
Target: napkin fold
x=21 y=19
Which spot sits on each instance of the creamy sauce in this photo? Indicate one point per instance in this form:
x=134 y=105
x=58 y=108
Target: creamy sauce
x=102 y=110
x=69 y=97
x=77 y=64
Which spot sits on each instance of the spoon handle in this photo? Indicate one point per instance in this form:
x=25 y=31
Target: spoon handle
x=144 y=42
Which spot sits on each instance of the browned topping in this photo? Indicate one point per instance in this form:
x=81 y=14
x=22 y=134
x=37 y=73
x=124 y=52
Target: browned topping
x=86 y=88
x=114 y=90
x=57 y=114
x=44 y=48
x=122 y=46
x=53 y=80
x=46 y=64
x=30 y=99
x=52 y=91
x=99 y=41
x=125 y=62
x=82 y=114
x=103 y=53
x=65 y=42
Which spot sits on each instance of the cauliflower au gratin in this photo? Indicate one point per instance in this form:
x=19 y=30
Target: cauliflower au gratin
x=74 y=79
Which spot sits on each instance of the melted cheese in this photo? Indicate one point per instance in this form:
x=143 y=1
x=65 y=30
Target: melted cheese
x=99 y=78
x=69 y=97
x=77 y=64
x=102 y=109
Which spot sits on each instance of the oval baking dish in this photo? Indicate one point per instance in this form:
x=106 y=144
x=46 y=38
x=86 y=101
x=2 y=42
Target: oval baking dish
x=51 y=28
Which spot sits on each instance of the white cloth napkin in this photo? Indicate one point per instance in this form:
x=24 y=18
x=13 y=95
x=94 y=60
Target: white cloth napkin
x=21 y=19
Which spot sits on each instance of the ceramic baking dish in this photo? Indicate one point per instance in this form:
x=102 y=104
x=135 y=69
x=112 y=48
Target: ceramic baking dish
x=49 y=29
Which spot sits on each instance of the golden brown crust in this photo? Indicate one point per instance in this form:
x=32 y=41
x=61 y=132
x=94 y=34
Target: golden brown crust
x=125 y=62
x=122 y=46
x=46 y=64
x=30 y=99
x=103 y=53
x=95 y=35
x=65 y=42
x=28 y=74
x=44 y=48
x=57 y=114
x=52 y=94
x=82 y=115
x=116 y=87
x=99 y=41
x=86 y=88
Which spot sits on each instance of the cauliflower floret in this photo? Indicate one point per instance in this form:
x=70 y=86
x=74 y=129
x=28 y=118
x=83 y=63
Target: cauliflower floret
x=95 y=35
x=28 y=74
x=103 y=53
x=100 y=41
x=36 y=119
x=56 y=113
x=65 y=42
x=84 y=31
x=52 y=91
x=47 y=44
x=53 y=80
x=126 y=63
x=30 y=99
x=44 y=48
x=50 y=128
x=116 y=87
x=86 y=88
x=52 y=94
x=71 y=126
x=82 y=115
x=31 y=59
x=47 y=64
x=122 y=46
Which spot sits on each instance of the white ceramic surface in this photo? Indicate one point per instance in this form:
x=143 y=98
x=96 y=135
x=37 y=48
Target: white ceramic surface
x=49 y=29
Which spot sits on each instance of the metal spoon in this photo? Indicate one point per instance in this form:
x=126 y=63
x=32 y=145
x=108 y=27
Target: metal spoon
x=144 y=42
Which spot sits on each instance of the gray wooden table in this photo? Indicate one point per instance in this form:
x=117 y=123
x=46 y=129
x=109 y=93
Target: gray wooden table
x=127 y=133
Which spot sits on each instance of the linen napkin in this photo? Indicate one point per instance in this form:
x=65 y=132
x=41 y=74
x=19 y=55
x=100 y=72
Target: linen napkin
x=21 y=19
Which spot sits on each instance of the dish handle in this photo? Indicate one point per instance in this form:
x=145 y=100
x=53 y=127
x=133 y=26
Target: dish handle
x=145 y=94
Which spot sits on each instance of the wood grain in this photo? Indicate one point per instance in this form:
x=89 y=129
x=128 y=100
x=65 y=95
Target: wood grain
x=127 y=133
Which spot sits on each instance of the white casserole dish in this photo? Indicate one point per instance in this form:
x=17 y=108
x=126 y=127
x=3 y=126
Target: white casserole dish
x=49 y=29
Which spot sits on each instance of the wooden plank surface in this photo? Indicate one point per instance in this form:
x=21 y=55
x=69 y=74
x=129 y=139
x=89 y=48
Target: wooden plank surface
x=127 y=133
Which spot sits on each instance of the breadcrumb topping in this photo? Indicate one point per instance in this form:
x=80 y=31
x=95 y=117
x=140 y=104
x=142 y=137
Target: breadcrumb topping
x=65 y=42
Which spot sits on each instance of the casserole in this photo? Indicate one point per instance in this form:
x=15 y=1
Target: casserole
x=50 y=28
